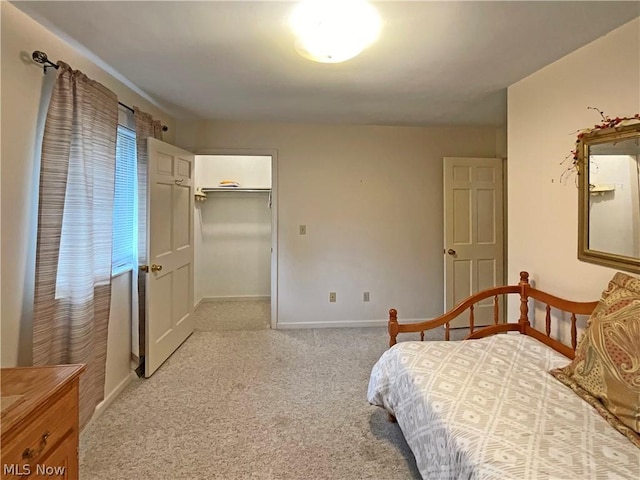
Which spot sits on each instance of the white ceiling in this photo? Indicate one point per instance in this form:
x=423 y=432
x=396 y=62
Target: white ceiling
x=436 y=63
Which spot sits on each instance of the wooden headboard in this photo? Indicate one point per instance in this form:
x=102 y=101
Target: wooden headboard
x=526 y=292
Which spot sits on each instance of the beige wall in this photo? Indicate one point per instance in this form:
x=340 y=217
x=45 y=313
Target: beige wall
x=371 y=198
x=543 y=111
x=23 y=105
x=119 y=341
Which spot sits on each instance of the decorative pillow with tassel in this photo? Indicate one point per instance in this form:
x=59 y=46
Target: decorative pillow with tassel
x=606 y=368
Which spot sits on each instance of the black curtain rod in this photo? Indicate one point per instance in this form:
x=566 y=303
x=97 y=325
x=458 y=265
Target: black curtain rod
x=42 y=59
x=126 y=106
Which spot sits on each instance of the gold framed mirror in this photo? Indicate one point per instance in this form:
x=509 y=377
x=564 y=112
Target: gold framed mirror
x=608 y=162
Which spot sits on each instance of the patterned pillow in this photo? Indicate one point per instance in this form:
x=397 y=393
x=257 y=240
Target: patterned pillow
x=606 y=368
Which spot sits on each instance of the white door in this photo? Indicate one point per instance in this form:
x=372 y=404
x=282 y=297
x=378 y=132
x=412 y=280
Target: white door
x=473 y=233
x=169 y=294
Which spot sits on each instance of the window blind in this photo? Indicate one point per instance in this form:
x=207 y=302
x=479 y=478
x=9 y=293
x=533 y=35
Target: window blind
x=125 y=203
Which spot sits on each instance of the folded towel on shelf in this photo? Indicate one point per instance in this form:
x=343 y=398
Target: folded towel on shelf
x=228 y=184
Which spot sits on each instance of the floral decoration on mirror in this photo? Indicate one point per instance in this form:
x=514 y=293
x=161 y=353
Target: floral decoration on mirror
x=606 y=122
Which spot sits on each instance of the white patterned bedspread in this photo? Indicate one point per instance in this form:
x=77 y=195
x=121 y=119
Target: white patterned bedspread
x=488 y=409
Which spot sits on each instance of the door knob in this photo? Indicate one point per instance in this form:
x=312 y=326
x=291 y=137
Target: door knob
x=451 y=251
x=156 y=268
x=144 y=268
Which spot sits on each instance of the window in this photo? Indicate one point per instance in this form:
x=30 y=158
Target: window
x=125 y=232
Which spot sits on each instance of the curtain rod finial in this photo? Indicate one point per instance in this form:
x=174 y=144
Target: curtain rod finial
x=39 y=57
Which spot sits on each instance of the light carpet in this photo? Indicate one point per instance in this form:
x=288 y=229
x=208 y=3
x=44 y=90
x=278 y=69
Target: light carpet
x=253 y=404
x=223 y=315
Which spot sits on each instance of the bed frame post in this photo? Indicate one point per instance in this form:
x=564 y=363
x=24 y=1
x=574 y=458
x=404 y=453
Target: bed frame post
x=393 y=326
x=524 y=301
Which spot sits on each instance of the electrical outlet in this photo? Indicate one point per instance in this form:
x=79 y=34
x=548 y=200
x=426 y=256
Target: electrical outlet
x=303 y=229
x=332 y=296
x=365 y=297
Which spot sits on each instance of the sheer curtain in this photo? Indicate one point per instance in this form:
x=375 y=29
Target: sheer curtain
x=146 y=127
x=73 y=253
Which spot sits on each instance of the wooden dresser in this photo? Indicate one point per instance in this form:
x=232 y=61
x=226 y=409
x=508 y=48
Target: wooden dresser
x=39 y=419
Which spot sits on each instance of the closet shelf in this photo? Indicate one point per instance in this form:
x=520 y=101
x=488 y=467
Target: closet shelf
x=201 y=192
x=601 y=189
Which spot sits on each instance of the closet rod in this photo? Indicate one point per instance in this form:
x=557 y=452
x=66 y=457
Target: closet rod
x=235 y=189
x=42 y=59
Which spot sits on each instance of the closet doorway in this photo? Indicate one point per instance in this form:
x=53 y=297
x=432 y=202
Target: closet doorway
x=235 y=222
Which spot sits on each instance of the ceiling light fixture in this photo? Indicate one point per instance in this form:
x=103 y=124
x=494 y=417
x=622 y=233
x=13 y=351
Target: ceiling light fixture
x=333 y=31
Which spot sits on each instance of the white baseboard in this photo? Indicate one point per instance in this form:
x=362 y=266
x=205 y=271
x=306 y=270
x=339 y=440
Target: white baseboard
x=197 y=304
x=237 y=298
x=343 y=324
x=102 y=406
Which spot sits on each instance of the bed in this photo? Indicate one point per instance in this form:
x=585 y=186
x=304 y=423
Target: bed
x=489 y=408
